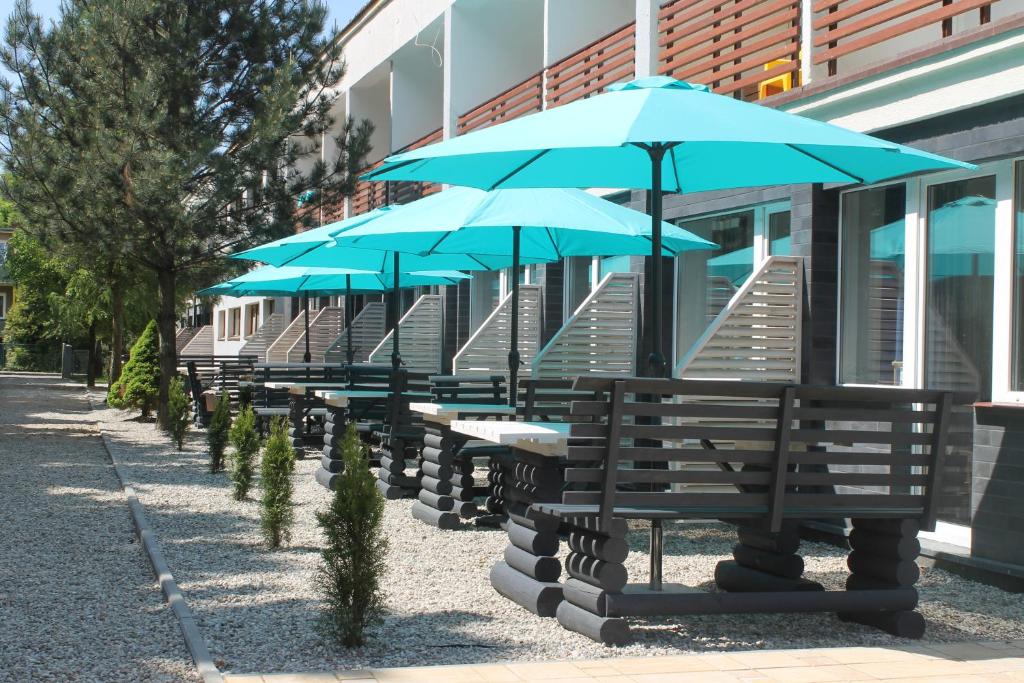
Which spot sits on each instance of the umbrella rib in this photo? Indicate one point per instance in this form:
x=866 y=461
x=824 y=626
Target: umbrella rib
x=675 y=169
x=401 y=164
x=822 y=161
x=553 y=245
x=519 y=168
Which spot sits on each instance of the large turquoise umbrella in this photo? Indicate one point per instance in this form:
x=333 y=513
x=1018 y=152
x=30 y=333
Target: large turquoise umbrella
x=664 y=135
x=293 y=281
x=535 y=224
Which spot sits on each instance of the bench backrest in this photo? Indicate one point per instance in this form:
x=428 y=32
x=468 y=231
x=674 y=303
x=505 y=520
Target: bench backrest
x=291 y=372
x=786 y=449
x=487 y=389
x=549 y=400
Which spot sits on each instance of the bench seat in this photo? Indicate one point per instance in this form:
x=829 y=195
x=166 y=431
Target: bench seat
x=724 y=512
x=284 y=410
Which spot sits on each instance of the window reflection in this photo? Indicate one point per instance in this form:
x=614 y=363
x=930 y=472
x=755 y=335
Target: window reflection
x=1017 y=383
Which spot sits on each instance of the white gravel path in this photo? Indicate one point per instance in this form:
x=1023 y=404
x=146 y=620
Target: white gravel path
x=258 y=609
x=78 y=601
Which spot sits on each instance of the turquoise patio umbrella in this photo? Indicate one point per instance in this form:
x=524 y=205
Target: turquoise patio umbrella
x=292 y=281
x=663 y=135
x=533 y=224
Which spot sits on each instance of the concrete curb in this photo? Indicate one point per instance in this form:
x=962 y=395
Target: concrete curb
x=168 y=586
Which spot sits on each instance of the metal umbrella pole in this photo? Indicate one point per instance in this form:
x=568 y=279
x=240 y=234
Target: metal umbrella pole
x=396 y=357
x=306 y=358
x=513 y=353
x=349 y=354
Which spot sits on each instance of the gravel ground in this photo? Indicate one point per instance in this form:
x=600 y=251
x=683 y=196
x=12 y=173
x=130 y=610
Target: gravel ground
x=78 y=601
x=258 y=609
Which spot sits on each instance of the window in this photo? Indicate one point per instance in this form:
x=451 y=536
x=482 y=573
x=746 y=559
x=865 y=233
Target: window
x=268 y=307
x=252 y=319
x=577 y=283
x=871 y=333
x=959 y=288
x=1017 y=360
x=234 y=322
x=614 y=264
x=778 y=234
x=3 y=252
x=3 y=305
x=222 y=328
x=483 y=296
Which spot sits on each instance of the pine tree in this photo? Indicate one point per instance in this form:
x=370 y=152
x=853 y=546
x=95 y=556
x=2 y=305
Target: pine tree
x=178 y=413
x=165 y=133
x=218 y=431
x=354 y=559
x=276 y=513
x=247 y=443
x=139 y=382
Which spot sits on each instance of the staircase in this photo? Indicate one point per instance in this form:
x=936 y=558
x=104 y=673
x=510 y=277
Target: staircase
x=368 y=328
x=201 y=344
x=183 y=337
x=269 y=331
x=420 y=337
x=600 y=337
x=324 y=328
x=487 y=350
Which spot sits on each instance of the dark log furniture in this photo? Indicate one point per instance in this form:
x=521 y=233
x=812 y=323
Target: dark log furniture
x=286 y=389
x=763 y=456
x=217 y=374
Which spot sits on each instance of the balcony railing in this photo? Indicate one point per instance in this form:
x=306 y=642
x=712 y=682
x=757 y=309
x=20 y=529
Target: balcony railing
x=404 y=192
x=736 y=47
x=524 y=98
x=843 y=28
x=369 y=195
x=591 y=69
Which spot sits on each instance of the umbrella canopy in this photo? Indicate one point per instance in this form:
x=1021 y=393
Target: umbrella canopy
x=538 y=224
x=663 y=135
x=292 y=281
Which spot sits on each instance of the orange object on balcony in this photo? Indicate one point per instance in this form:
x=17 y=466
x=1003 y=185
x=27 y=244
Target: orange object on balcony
x=775 y=84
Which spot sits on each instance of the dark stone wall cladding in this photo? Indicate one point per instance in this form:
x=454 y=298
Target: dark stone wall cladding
x=997 y=485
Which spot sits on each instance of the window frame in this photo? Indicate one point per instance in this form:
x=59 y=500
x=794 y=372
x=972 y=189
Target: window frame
x=222 y=325
x=235 y=323
x=3 y=305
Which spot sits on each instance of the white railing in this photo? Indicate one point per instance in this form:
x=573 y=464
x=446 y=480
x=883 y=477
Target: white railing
x=368 y=328
x=269 y=331
x=600 y=337
x=324 y=328
x=420 y=330
x=757 y=336
x=487 y=350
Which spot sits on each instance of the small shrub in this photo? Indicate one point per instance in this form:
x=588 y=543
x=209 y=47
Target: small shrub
x=276 y=513
x=247 y=443
x=245 y=396
x=139 y=383
x=218 y=431
x=353 y=561
x=177 y=412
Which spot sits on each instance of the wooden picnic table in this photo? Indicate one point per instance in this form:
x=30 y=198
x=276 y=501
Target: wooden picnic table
x=549 y=439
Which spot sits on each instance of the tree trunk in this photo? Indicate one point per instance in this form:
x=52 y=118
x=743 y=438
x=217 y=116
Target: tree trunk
x=116 y=329
x=90 y=370
x=165 y=320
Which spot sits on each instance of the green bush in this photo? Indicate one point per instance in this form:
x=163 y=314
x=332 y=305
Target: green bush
x=217 y=433
x=178 y=412
x=276 y=513
x=139 y=383
x=247 y=443
x=353 y=561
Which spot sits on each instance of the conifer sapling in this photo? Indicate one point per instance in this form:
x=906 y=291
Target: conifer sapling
x=276 y=513
x=246 y=443
x=217 y=433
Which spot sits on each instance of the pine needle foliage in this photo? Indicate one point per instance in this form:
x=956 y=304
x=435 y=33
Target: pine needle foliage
x=354 y=559
x=218 y=431
x=140 y=380
x=177 y=412
x=246 y=442
x=276 y=512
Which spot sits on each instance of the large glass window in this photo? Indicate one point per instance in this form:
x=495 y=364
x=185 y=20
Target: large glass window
x=577 y=283
x=483 y=291
x=873 y=256
x=707 y=280
x=779 y=234
x=958 y=318
x=1017 y=383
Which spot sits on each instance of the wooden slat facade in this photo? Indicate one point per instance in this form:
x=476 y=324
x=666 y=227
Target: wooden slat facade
x=600 y=337
x=731 y=46
x=369 y=195
x=201 y=344
x=368 y=329
x=420 y=339
x=757 y=336
x=487 y=350
x=588 y=71
x=324 y=328
x=277 y=351
x=521 y=99
x=266 y=335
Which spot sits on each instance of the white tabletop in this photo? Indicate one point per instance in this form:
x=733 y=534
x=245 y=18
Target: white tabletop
x=340 y=399
x=546 y=438
x=446 y=412
x=294 y=387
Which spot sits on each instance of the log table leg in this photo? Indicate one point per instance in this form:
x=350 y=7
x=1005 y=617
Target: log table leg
x=530 y=571
x=884 y=557
x=446 y=496
x=297 y=418
x=764 y=561
x=331 y=462
x=400 y=471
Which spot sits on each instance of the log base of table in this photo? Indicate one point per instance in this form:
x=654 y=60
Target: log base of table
x=446 y=497
x=540 y=597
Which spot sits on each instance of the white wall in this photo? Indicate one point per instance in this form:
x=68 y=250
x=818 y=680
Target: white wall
x=371 y=99
x=226 y=303
x=417 y=87
x=496 y=44
x=571 y=24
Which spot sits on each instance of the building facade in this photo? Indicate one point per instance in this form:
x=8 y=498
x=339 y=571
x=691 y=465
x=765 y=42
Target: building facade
x=918 y=282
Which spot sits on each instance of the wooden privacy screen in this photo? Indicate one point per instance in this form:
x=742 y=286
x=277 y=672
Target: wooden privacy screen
x=525 y=98
x=367 y=329
x=420 y=337
x=588 y=71
x=487 y=350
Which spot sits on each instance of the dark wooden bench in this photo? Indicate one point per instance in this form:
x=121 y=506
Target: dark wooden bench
x=304 y=413
x=219 y=374
x=448 y=491
x=764 y=456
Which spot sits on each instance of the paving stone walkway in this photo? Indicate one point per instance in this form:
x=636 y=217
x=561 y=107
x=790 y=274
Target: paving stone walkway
x=981 y=662
x=78 y=601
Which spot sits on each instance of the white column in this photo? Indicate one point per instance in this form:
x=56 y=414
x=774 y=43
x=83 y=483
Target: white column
x=348 y=112
x=806 y=41
x=449 y=116
x=647 y=37
x=914 y=275
x=1002 y=300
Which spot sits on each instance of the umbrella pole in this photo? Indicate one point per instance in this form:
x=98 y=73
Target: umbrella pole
x=513 y=354
x=349 y=356
x=656 y=361
x=396 y=357
x=305 y=312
